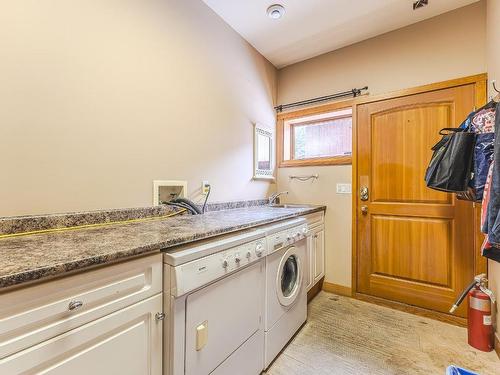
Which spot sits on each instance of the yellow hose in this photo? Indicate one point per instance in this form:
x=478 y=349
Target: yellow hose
x=91 y=225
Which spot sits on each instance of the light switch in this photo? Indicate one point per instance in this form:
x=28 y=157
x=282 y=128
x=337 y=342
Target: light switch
x=344 y=189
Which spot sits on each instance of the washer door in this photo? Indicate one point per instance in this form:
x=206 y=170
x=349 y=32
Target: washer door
x=289 y=278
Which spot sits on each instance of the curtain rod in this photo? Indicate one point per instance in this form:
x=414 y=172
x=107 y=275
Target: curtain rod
x=354 y=93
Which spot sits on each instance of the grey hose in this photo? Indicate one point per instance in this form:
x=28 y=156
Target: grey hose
x=187 y=202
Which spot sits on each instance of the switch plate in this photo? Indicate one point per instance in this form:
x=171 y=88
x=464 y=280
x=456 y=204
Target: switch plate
x=344 y=189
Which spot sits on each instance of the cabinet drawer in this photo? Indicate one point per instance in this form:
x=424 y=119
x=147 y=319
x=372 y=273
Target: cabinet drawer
x=316 y=218
x=37 y=313
x=126 y=342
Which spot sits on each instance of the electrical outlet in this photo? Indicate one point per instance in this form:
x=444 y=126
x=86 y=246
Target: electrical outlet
x=344 y=189
x=205 y=187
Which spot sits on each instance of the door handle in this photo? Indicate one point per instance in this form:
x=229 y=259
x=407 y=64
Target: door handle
x=364 y=193
x=364 y=210
x=201 y=335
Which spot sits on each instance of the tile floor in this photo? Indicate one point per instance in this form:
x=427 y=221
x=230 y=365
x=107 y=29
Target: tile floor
x=347 y=336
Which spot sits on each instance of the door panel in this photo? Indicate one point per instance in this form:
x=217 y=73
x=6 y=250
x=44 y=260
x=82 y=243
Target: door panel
x=425 y=258
x=221 y=308
x=319 y=254
x=391 y=157
x=415 y=244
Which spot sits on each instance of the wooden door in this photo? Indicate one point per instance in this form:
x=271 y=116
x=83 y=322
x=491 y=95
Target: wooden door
x=415 y=245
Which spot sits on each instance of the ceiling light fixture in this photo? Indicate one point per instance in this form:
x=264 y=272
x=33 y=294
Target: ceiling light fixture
x=276 y=11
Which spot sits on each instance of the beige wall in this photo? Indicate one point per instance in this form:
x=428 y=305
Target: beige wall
x=338 y=215
x=493 y=61
x=446 y=47
x=99 y=98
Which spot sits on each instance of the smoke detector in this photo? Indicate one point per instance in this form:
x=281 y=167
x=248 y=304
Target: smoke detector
x=420 y=4
x=276 y=11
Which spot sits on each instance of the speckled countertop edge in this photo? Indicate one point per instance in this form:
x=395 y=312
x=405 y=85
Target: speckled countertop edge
x=39 y=257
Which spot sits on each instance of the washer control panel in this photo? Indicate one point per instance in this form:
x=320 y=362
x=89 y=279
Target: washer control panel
x=287 y=237
x=244 y=254
x=192 y=275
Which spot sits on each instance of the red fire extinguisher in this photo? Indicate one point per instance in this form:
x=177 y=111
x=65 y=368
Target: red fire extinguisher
x=479 y=325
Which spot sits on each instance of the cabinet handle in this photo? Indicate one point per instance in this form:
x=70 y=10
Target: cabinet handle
x=160 y=316
x=75 y=305
x=315 y=236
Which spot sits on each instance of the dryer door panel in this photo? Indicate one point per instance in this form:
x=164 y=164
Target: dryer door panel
x=221 y=317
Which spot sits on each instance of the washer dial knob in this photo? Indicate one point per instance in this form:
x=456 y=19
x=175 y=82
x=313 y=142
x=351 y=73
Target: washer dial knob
x=225 y=263
x=237 y=258
x=249 y=254
x=258 y=249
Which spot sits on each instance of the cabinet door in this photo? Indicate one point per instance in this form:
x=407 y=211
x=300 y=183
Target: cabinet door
x=40 y=312
x=127 y=342
x=309 y=268
x=319 y=254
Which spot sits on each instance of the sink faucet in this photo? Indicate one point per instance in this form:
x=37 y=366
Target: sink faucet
x=275 y=197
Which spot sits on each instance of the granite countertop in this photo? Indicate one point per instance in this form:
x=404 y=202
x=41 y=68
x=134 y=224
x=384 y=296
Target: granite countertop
x=35 y=257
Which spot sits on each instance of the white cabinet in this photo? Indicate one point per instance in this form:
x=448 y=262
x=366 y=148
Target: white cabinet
x=318 y=238
x=310 y=263
x=127 y=342
x=98 y=322
x=315 y=268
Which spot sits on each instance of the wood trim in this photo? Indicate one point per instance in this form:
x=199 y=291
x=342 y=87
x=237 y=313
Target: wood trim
x=480 y=83
x=315 y=289
x=451 y=319
x=341 y=290
x=335 y=160
x=309 y=111
x=319 y=121
x=280 y=129
x=354 y=195
x=478 y=79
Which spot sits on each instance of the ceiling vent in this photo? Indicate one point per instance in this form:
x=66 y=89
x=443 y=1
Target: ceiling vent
x=420 y=4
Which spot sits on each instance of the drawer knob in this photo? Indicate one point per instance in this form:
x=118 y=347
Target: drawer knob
x=160 y=316
x=75 y=305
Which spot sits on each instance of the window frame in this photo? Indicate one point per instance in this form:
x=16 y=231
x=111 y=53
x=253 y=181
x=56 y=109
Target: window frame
x=280 y=139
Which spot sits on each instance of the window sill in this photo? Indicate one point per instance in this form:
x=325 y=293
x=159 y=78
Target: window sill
x=337 y=160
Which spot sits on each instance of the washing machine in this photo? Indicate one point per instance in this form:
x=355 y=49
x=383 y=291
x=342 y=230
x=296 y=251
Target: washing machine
x=286 y=295
x=214 y=296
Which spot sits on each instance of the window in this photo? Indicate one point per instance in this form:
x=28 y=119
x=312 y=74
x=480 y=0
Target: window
x=322 y=139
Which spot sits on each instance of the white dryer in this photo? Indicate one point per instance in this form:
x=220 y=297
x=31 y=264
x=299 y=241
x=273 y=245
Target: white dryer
x=286 y=295
x=214 y=298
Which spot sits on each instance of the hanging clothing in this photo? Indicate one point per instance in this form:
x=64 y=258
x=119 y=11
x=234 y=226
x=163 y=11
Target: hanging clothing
x=483 y=157
x=491 y=248
x=482 y=123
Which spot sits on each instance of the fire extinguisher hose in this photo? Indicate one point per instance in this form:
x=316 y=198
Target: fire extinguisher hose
x=462 y=296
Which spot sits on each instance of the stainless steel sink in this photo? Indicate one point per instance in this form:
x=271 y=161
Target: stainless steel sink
x=291 y=205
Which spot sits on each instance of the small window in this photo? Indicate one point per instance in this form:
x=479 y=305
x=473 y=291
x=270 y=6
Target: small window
x=318 y=140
